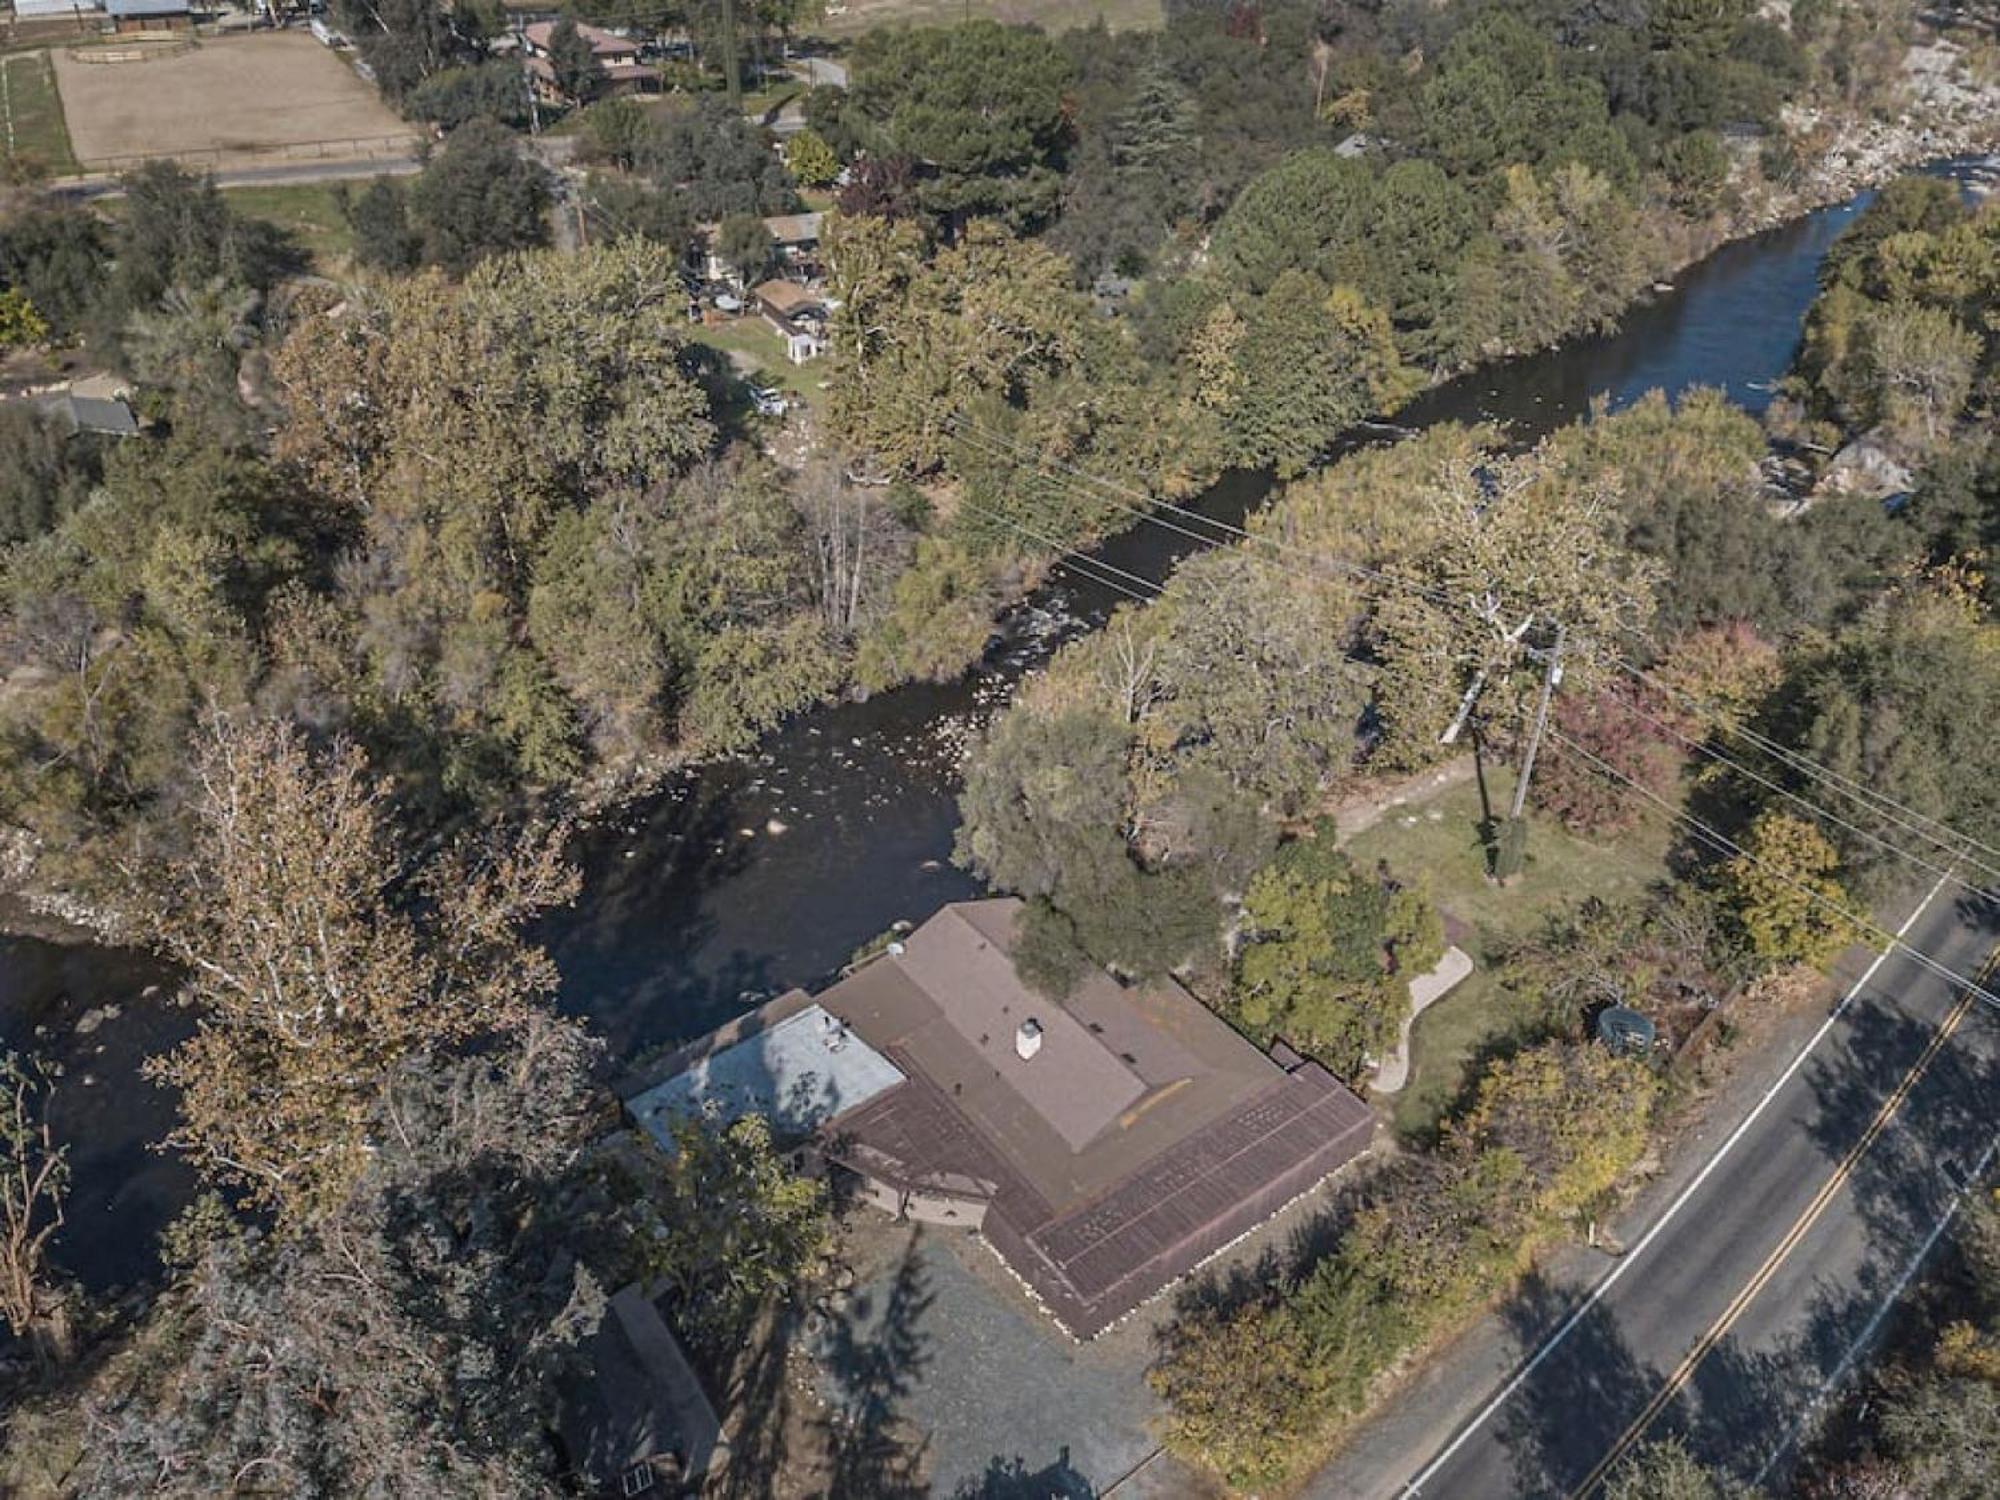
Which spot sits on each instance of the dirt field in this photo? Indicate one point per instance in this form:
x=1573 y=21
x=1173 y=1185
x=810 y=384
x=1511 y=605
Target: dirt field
x=229 y=97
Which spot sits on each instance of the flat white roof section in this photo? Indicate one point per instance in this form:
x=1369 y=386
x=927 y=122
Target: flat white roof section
x=799 y=1074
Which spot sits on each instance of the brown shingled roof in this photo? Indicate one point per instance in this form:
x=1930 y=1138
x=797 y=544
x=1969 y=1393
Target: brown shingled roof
x=1144 y=1135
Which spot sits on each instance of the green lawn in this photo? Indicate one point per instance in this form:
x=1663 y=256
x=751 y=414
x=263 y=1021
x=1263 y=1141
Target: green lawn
x=765 y=101
x=1439 y=840
x=763 y=351
x=31 y=117
x=309 y=210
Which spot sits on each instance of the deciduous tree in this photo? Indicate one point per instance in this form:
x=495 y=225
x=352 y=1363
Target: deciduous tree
x=733 y=1224
x=1328 y=952
x=320 y=955
x=478 y=197
x=416 y=1336
x=810 y=159
x=1785 y=891
x=745 y=246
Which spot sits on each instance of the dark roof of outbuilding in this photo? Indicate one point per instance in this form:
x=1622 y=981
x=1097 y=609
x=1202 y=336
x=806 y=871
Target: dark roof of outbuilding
x=98 y=414
x=640 y=1401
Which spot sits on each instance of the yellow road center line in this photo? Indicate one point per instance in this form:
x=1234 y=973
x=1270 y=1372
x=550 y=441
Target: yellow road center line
x=1801 y=1226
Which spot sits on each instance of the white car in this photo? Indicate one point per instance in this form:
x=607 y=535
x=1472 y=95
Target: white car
x=769 y=403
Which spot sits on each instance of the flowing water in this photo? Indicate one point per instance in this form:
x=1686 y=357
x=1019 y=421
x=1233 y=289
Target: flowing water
x=745 y=877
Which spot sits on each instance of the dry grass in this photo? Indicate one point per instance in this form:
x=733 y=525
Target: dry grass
x=1053 y=16
x=229 y=96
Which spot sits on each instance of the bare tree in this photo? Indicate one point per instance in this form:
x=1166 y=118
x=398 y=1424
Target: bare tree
x=34 y=1181
x=858 y=545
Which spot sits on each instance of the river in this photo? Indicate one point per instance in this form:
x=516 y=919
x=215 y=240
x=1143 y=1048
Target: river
x=694 y=905
x=745 y=877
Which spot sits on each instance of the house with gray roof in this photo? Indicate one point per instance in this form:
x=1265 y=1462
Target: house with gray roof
x=149 y=15
x=95 y=404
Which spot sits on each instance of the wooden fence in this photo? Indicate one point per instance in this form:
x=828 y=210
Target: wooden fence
x=343 y=148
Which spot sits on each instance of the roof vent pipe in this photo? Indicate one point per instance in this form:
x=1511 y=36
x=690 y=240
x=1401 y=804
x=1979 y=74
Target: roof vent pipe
x=1028 y=1040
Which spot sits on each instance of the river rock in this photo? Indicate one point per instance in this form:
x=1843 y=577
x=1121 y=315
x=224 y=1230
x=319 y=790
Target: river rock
x=1865 y=469
x=90 y=1020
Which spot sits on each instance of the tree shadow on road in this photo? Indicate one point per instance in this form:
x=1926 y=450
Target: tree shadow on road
x=1903 y=1181
x=1012 y=1479
x=1747 y=1403
x=1576 y=1403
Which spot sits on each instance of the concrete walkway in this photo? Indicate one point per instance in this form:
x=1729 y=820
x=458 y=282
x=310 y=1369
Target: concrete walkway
x=1425 y=991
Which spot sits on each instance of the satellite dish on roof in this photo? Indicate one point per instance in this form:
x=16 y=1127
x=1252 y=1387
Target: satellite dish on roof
x=1625 y=1031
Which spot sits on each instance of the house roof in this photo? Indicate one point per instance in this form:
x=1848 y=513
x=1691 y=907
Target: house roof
x=799 y=1073
x=1122 y=1071
x=794 y=229
x=641 y=1400
x=1143 y=1134
x=91 y=407
x=146 y=7
x=604 y=45
x=787 y=298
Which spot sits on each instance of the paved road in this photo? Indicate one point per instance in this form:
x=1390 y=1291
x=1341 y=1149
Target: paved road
x=1755 y=1290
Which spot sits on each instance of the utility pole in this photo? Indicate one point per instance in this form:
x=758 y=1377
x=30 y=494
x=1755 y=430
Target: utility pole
x=735 y=74
x=1513 y=846
x=527 y=78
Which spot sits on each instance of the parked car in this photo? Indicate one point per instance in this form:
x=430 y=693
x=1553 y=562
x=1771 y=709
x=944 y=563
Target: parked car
x=769 y=403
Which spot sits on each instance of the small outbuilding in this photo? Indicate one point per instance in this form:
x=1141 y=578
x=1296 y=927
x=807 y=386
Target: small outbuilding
x=97 y=404
x=47 y=10
x=798 y=313
x=149 y=15
x=640 y=1422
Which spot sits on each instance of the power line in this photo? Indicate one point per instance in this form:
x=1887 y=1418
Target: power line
x=1704 y=748
x=1723 y=844
x=1000 y=445
x=1072 y=557
x=1877 y=802
x=1149 y=507
x=1715 y=839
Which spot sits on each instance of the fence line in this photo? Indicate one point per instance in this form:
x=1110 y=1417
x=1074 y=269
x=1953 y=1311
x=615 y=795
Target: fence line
x=338 y=148
x=144 y=47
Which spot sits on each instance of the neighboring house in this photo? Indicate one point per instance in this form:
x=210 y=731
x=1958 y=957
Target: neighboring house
x=1104 y=1145
x=148 y=15
x=798 y=313
x=43 y=10
x=96 y=404
x=617 y=58
x=640 y=1423
x=796 y=236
